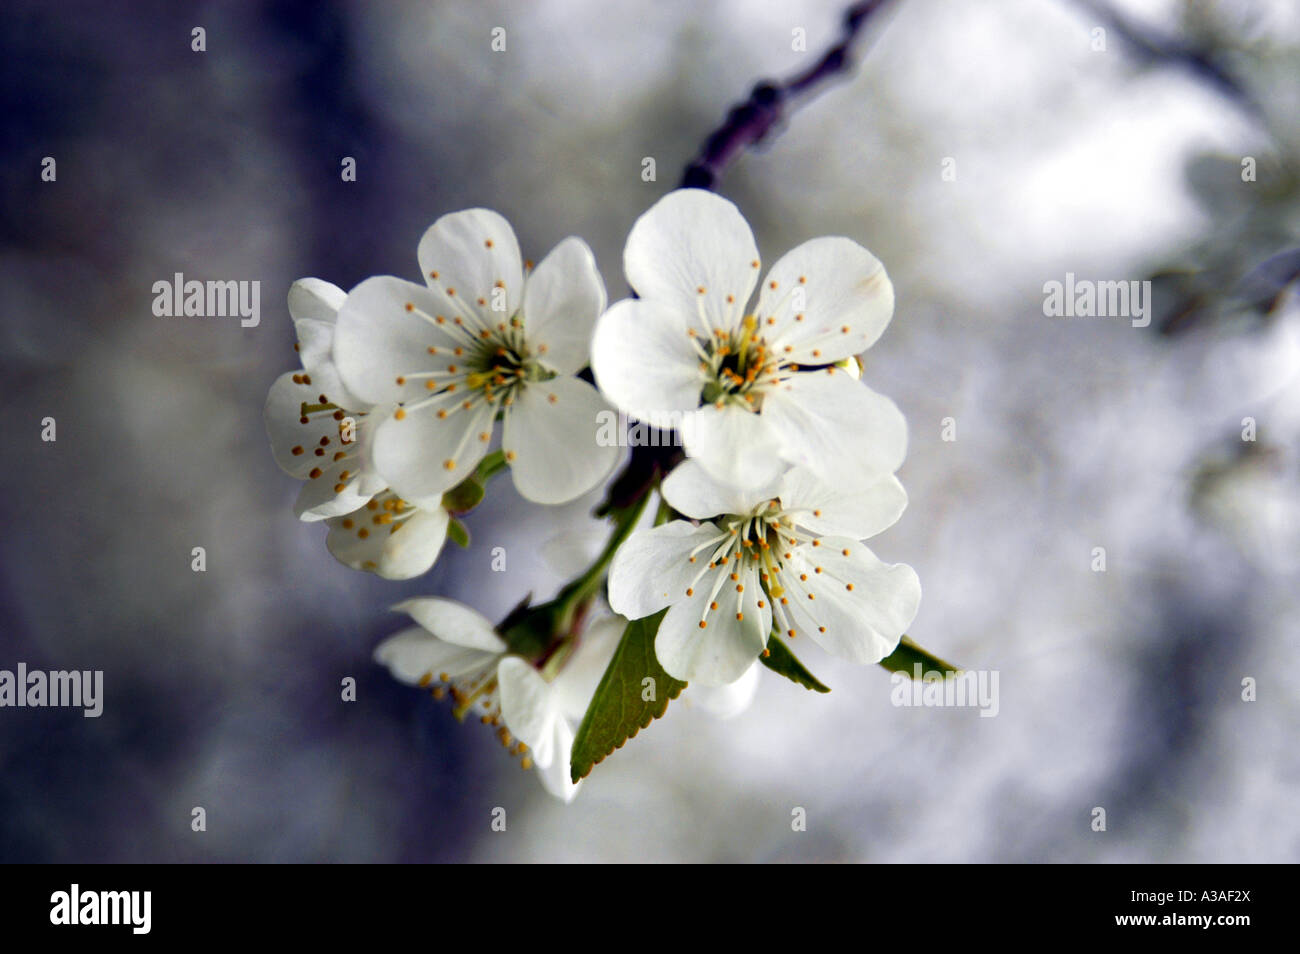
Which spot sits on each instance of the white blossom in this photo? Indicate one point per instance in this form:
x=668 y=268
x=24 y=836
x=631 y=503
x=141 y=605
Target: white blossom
x=478 y=341
x=787 y=556
x=754 y=389
x=318 y=430
x=452 y=648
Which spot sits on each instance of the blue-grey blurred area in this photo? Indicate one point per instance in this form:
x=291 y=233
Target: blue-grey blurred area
x=1120 y=689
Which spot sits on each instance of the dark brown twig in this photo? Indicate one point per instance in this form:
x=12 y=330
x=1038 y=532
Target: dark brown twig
x=770 y=102
x=1152 y=47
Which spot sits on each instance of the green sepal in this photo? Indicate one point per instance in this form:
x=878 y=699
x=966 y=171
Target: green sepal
x=778 y=658
x=457 y=532
x=908 y=654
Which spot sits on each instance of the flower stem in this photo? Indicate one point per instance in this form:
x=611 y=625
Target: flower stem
x=664 y=513
x=577 y=593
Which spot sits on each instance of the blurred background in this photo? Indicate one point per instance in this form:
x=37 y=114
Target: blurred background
x=1119 y=689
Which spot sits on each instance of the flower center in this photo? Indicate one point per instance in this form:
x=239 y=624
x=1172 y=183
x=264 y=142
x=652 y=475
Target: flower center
x=743 y=544
x=499 y=369
x=760 y=542
x=486 y=363
x=737 y=367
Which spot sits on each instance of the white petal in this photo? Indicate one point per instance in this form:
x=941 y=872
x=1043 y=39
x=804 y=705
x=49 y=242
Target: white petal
x=726 y=702
x=652 y=569
x=379 y=340
x=643 y=360
x=563 y=297
x=691 y=251
x=550 y=438
x=857 y=512
x=693 y=491
x=394 y=551
x=862 y=624
x=316 y=350
x=832 y=299
x=720 y=652
x=321 y=497
x=283 y=418
x=417 y=657
x=840 y=429
x=413 y=547
x=557 y=777
x=528 y=708
x=354 y=541
x=735 y=445
x=314 y=306
x=470 y=252
x=311 y=299
x=582 y=672
x=309 y=452
x=422 y=455
x=453 y=622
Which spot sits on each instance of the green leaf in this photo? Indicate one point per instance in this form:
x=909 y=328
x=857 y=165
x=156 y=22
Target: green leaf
x=905 y=658
x=619 y=710
x=457 y=532
x=780 y=659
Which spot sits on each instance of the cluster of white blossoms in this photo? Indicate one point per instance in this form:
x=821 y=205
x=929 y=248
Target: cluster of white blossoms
x=318 y=428
x=402 y=385
x=789 y=459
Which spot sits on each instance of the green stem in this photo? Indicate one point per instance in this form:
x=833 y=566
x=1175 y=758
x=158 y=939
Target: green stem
x=585 y=586
x=664 y=513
